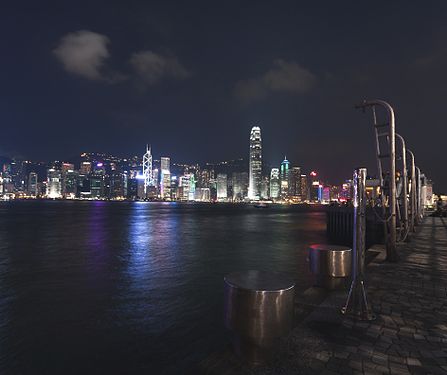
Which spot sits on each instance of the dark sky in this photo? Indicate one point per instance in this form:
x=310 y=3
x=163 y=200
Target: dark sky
x=191 y=78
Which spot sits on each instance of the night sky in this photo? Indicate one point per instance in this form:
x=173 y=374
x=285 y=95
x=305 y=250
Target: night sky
x=191 y=78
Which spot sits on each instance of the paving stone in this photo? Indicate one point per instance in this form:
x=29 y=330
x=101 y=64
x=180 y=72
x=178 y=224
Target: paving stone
x=413 y=361
x=409 y=335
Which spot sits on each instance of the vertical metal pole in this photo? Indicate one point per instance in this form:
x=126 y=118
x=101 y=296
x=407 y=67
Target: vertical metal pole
x=413 y=191
x=357 y=304
x=392 y=252
x=423 y=195
x=418 y=194
x=405 y=183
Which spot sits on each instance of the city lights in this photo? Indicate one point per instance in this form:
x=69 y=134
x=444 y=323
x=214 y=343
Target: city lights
x=99 y=176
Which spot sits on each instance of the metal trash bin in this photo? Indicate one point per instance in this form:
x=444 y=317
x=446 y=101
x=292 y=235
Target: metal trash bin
x=331 y=265
x=258 y=311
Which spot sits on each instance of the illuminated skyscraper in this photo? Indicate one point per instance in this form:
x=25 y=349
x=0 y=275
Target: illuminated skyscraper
x=315 y=189
x=187 y=187
x=284 y=178
x=222 y=182
x=32 y=184
x=147 y=170
x=54 y=183
x=255 y=164
x=165 y=178
x=265 y=187
x=304 y=188
x=155 y=175
x=274 y=183
x=69 y=180
x=295 y=183
x=240 y=186
x=86 y=168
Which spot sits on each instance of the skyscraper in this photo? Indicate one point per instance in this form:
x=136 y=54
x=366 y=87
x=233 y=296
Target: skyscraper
x=54 y=183
x=86 y=168
x=165 y=178
x=295 y=183
x=32 y=184
x=147 y=170
x=274 y=183
x=240 y=186
x=222 y=193
x=69 y=180
x=304 y=188
x=284 y=178
x=314 y=188
x=265 y=187
x=255 y=164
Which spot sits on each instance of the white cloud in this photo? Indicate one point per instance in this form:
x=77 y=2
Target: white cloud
x=152 y=67
x=284 y=76
x=83 y=53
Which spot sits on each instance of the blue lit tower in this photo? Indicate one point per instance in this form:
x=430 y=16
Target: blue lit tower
x=147 y=169
x=255 y=164
x=285 y=178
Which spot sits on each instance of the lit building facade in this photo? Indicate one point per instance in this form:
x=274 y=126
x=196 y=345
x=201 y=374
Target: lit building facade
x=304 y=188
x=222 y=193
x=274 y=183
x=295 y=183
x=86 y=168
x=240 y=186
x=147 y=170
x=118 y=185
x=69 y=180
x=315 y=188
x=255 y=164
x=345 y=193
x=165 y=178
x=54 y=183
x=284 y=178
x=202 y=195
x=32 y=184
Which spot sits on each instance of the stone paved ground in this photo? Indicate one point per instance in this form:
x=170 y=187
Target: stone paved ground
x=409 y=335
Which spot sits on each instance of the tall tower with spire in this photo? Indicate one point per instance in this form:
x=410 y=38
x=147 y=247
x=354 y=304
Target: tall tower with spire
x=147 y=169
x=255 y=164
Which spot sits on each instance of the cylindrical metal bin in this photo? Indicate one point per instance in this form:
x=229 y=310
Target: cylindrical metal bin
x=331 y=265
x=258 y=310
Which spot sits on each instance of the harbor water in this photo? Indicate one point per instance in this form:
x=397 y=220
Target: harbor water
x=133 y=287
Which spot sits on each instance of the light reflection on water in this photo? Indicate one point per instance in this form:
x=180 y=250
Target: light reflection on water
x=132 y=287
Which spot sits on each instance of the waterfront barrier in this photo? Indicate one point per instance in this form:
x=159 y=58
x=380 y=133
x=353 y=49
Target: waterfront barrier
x=340 y=222
x=330 y=265
x=258 y=311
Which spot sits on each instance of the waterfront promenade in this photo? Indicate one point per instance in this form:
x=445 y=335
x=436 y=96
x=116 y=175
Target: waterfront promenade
x=409 y=335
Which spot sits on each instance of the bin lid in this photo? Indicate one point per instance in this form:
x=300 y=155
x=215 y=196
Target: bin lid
x=326 y=247
x=264 y=281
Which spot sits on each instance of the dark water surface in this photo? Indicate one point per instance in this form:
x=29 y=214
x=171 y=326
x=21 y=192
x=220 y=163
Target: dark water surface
x=130 y=288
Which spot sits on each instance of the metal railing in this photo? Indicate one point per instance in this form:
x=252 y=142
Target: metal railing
x=390 y=217
x=404 y=193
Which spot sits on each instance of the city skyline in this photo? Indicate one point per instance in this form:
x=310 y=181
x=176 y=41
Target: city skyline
x=186 y=81
x=102 y=176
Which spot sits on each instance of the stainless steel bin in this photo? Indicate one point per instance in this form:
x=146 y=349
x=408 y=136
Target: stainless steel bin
x=258 y=310
x=331 y=265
